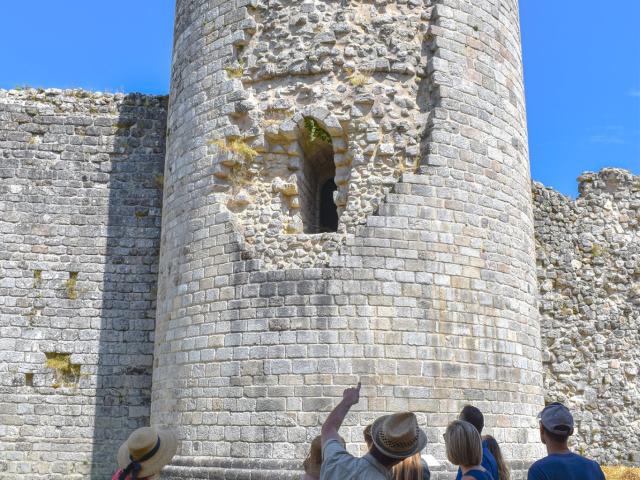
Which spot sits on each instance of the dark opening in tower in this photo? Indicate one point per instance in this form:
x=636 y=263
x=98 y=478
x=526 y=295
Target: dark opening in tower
x=316 y=183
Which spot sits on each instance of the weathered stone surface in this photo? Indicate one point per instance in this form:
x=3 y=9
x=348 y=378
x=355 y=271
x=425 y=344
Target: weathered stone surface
x=589 y=275
x=427 y=290
x=80 y=203
x=323 y=60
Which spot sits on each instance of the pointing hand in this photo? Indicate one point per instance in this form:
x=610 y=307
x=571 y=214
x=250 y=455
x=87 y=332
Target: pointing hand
x=352 y=395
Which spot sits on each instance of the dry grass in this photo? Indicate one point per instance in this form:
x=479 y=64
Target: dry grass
x=404 y=166
x=37 y=278
x=359 y=79
x=70 y=285
x=140 y=214
x=158 y=181
x=278 y=114
x=621 y=473
x=235 y=71
x=236 y=146
x=240 y=173
x=66 y=373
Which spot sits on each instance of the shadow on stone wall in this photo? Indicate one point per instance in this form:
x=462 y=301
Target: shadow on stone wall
x=127 y=315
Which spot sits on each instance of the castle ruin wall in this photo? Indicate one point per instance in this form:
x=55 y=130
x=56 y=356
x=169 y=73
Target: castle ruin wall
x=64 y=152
x=80 y=204
x=426 y=289
x=588 y=255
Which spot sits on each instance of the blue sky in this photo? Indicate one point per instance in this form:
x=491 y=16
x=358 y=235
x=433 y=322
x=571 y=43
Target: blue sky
x=582 y=68
x=582 y=75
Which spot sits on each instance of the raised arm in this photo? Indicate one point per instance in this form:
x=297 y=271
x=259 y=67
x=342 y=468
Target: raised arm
x=331 y=425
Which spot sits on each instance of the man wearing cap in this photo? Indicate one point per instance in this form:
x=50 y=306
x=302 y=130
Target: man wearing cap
x=556 y=426
x=395 y=437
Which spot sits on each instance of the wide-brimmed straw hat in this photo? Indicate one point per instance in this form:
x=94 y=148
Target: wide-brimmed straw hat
x=398 y=435
x=313 y=461
x=150 y=447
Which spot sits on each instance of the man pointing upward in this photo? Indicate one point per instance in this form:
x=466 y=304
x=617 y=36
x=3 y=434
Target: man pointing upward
x=395 y=437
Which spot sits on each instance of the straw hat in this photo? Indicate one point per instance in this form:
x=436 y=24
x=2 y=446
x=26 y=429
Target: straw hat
x=313 y=461
x=141 y=444
x=398 y=435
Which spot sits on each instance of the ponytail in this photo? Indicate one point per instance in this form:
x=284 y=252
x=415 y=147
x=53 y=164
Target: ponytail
x=494 y=448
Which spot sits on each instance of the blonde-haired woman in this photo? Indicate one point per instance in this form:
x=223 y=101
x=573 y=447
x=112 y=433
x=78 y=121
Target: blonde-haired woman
x=464 y=448
x=412 y=468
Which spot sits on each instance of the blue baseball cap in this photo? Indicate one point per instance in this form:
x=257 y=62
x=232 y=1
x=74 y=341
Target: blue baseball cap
x=556 y=418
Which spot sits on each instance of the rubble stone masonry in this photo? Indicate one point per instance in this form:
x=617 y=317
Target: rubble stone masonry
x=588 y=255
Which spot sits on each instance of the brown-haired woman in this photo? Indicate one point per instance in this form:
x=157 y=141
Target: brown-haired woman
x=366 y=433
x=494 y=448
x=464 y=448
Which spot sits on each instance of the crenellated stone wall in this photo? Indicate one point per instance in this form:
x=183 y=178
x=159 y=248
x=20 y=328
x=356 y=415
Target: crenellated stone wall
x=80 y=205
x=588 y=255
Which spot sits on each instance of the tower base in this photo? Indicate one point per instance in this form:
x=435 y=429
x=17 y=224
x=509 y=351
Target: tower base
x=183 y=468
x=187 y=468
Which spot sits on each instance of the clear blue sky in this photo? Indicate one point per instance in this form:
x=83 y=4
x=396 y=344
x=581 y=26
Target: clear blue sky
x=582 y=68
x=582 y=75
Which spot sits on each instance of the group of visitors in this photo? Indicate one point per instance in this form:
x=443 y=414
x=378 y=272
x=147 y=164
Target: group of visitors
x=395 y=443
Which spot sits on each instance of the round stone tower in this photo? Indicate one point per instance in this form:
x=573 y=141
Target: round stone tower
x=347 y=198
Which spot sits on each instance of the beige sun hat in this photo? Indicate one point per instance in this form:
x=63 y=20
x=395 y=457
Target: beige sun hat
x=398 y=435
x=151 y=448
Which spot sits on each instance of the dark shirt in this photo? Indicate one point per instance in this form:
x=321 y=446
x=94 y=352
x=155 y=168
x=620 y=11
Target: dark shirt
x=479 y=474
x=488 y=462
x=116 y=476
x=565 y=466
x=426 y=473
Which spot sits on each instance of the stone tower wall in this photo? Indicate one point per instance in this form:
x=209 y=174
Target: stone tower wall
x=589 y=274
x=80 y=198
x=427 y=290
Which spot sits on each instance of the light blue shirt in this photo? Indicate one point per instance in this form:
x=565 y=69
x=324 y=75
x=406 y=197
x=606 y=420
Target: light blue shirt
x=338 y=464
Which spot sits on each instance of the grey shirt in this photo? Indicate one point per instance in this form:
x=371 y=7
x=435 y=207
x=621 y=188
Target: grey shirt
x=338 y=464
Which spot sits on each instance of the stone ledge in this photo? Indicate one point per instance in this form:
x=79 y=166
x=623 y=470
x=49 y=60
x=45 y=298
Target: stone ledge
x=262 y=469
x=232 y=468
